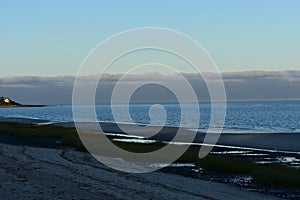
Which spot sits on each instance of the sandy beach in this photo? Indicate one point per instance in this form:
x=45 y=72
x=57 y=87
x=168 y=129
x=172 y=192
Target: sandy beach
x=44 y=169
x=44 y=173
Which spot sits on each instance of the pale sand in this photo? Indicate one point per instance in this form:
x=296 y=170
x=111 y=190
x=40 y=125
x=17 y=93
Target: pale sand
x=40 y=173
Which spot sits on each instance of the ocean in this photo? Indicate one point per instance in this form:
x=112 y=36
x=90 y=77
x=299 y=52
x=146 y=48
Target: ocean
x=282 y=116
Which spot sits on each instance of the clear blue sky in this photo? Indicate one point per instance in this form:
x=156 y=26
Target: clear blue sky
x=53 y=37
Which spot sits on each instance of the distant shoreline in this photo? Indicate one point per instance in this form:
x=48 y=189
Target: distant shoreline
x=21 y=106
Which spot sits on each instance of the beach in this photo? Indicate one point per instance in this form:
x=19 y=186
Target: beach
x=47 y=173
x=45 y=168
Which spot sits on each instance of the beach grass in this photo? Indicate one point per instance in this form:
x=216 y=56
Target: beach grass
x=267 y=174
x=28 y=130
x=68 y=136
x=276 y=174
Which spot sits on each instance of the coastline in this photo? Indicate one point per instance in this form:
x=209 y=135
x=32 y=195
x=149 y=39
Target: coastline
x=22 y=106
x=71 y=174
x=262 y=141
x=186 y=172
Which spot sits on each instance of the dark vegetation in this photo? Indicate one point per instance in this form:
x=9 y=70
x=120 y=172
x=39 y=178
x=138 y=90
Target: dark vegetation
x=6 y=102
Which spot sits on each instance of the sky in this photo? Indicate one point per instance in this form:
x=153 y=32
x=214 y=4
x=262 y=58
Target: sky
x=52 y=38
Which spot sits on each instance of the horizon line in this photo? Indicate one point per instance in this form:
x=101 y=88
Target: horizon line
x=221 y=72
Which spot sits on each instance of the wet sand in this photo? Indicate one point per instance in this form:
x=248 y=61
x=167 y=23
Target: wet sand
x=273 y=141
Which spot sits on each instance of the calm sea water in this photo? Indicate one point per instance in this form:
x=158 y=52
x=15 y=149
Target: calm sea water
x=275 y=115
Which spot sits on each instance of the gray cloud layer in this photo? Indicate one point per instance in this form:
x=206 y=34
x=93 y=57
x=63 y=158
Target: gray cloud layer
x=251 y=85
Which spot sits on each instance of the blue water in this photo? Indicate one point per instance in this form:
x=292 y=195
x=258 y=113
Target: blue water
x=272 y=115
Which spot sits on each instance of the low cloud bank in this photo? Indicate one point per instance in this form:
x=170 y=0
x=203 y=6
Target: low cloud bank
x=250 y=85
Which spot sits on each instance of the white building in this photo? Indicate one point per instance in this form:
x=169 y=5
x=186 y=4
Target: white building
x=6 y=100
